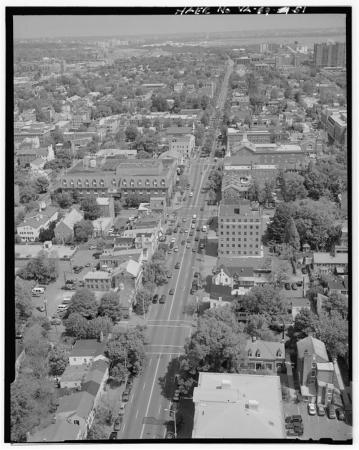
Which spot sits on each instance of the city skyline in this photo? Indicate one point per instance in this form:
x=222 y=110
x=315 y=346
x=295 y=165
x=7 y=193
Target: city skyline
x=56 y=26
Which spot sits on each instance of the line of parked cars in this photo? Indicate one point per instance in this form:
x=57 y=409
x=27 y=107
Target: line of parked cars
x=293 y=286
x=119 y=419
x=321 y=409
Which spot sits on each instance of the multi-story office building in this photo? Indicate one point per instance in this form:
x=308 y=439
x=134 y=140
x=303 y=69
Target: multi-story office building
x=330 y=54
x=235 y=137
x=239 y=229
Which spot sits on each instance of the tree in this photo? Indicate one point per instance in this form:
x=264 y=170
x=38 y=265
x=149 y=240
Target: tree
x=143 y=155
x=47 y=234
x=23 y=306
x=83 y=230
x=58 y=360
x=63 y=199
x=76 y=325
x=41 y=268
x=292 y=187
x=216 y=346
x=143 y=301
x=264 y=300
x=291 y=235
x=92 y=210
x=257 y=325
x=28 y=193
x=131 y=133
x=305 y=322
x=41 y=185
x=97 y=326
x=110 y=306
x=155 y=272
x=333 y=331
x=336 y=303
x=97 y=432
x=84 y=303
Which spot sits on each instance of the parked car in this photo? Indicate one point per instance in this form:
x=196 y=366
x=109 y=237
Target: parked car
x=299 y=429
x=121 y=412
x=287 y=286
x=162 y=299
x=155 y=298
x=297 y=418
x=294 y=286
x=188 y=245
x=171 y=292
x=125 y=395
x=113 y=436
x=117 y=424
x=291 y=432
x=178 y=265
x=169 y=274
x=191 y=233
x=40 y=308
x=196 y=238
x=340 y=414
x=320 y=410
x=299 y=283
x=170 y=435
x=68 y=287
x=311 y=409
x=304 y=270
x=331 y=412
x=175 y=249
x=194 y=250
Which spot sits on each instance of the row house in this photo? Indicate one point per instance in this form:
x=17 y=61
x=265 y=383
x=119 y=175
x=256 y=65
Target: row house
x=265 y=355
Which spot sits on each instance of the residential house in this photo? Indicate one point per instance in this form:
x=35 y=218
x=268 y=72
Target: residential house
x=241 y=278
x=73 y=376
x=99 y=280
x=339 y=286
x=324 y=263
x=316 y=373
x=64 y=230
x=296 y=305
x=87 y=351
x=78 y=409
x=29 y=229
x=238 y=406
x=265 y=355
x=114 y=257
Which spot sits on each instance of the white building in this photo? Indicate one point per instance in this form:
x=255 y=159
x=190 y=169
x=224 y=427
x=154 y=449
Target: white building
x=29 y=229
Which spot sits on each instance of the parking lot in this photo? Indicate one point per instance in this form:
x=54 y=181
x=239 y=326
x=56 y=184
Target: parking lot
x=316 y=427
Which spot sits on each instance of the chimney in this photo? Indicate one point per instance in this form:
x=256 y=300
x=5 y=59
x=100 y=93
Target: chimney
x=226 y=384
x=254 y=338
x=252 y=405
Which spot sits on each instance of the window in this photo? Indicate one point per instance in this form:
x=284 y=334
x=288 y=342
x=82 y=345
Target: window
x=249 y=353
x=258 y=354
x=139 y=183
x=94 y=182
x=313 y=374
x=314 y=365
x=132 y=183
x=76 y=422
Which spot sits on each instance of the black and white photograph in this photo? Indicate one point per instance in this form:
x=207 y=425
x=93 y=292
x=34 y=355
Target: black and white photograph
x=178 y=264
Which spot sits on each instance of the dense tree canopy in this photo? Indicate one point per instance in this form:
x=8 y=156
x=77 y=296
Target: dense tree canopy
x=84 y=303
x=42 y=268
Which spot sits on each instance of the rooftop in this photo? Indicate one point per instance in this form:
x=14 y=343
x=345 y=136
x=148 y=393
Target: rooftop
x=79 y=402
x=87 y=347
x=312 y=346
x=74 y=373
x=327 y=258
x=57 y=432
x=238 y=406
x=267 y=349
x=97 y=275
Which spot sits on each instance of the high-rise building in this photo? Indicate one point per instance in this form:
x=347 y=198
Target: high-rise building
x=239 y=229
x=330 y=54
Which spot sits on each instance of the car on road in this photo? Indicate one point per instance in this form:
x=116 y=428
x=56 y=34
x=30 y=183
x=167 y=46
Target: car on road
x=175 y=249
x=155 y=298
x=331 y=411
x=162 y=299
x=113 y=436
x=196 y=238
x=178 y=265
x=188 y=245
x=194 y=250
x=287 y=286
x=191 y=194
x=294 y=286
x=171 y=291
x=320 y=410
x=169 y=274
x=173 y=240
x=184 y=219
x=176 y=395
x=186 y=230
x=181 y=230
x=121 y=411
x=340 y=414
x=188 y=241
x=40 y=308
x=311 y=409
x=191 y=233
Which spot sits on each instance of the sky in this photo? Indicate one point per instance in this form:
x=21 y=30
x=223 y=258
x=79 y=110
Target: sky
x=60 y=26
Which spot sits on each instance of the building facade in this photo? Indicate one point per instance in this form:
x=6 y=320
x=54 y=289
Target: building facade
x=239 y=229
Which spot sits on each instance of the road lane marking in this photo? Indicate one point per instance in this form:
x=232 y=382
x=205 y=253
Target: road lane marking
x=136 y=414
x=149 y=400
x=144 y=384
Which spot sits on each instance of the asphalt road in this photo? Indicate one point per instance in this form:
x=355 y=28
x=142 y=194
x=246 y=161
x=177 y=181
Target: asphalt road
x=169 y=324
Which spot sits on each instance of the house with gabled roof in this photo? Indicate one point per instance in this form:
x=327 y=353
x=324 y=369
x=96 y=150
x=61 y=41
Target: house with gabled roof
x=265 y=355
x=64 y=230
x=317 y=378
x=87 y=351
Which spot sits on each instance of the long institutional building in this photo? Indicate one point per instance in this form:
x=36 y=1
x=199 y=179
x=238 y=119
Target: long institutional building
x=120 y=177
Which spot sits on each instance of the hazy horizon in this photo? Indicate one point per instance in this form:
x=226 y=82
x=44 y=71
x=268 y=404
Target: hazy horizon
x=76 y=26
